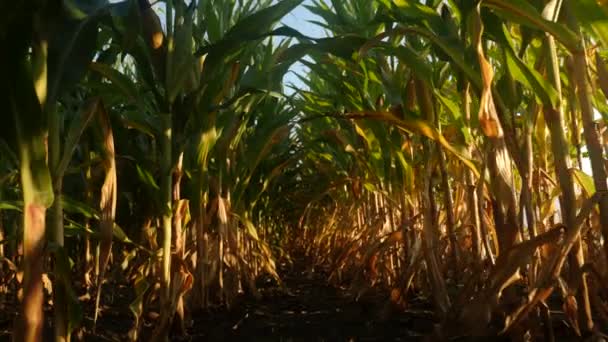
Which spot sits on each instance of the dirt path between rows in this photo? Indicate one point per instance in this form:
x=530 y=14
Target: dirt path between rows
x=305 y=308
x=311 y=310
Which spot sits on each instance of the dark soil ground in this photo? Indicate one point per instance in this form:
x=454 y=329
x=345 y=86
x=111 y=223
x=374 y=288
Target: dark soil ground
x=311 y=310
x=305 y=309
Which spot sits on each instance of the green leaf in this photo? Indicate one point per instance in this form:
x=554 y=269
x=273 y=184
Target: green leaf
x=146 y=177
x=330 y=18
x=521 y=71
x=120 y=235
x=523 y=12
x=340 y=46
x=253 y=27
x=409 y=57
x=456 y=114
x=182 y=60
x=370 y=187
x=71 y=49
x=76 y=229
x=585 y=181
x=141 y=121
x=207 y=140
x=602 y=74
x=126 y=22
x=11 y=205
x=73 y=206
x=121 y=81
x=77 y=127
x=415 y=125
x=258 y=23
x=415 y=10
x=451 y=47
x=593 y=15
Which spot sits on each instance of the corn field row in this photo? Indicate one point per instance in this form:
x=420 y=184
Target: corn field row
x=451 y=150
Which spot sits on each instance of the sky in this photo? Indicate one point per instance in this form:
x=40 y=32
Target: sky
x=299 y=20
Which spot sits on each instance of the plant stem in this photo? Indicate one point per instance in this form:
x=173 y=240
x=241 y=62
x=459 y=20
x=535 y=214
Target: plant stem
x=594 y=147
x=167 y=203
x=56 y=223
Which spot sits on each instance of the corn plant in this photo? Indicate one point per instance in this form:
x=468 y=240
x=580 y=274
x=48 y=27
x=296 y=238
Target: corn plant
x=449 y=150
x=423 y=69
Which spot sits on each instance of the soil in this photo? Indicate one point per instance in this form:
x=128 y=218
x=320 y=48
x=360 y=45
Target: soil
x=309 y=309
x=305 y=308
